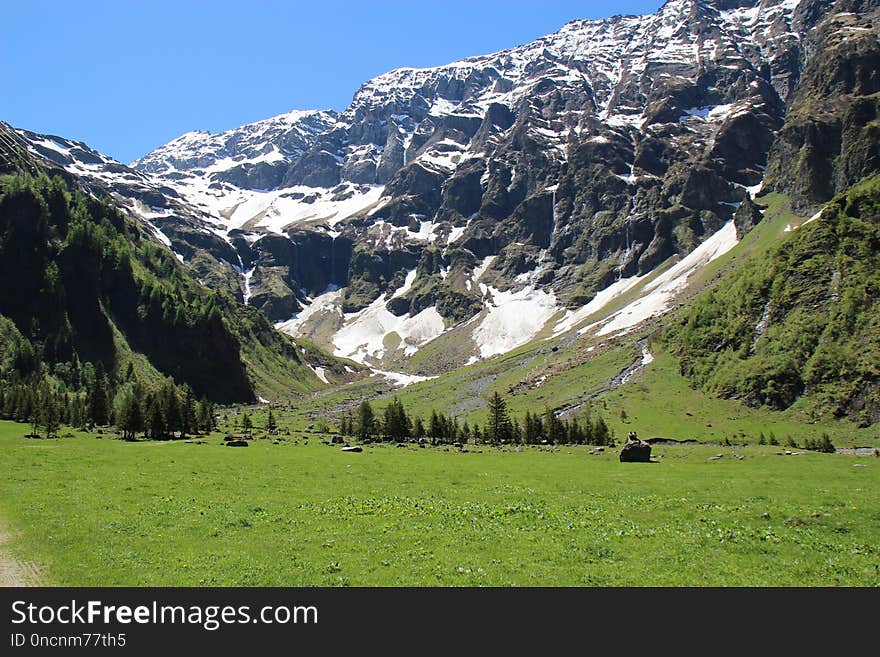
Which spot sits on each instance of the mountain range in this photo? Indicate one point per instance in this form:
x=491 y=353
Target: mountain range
x=570 y=188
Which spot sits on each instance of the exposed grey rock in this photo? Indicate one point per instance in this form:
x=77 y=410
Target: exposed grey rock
x=748 y=215
x=635 y=451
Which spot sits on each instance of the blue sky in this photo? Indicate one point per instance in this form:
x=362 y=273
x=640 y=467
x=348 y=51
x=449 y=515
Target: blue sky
x=127 y=76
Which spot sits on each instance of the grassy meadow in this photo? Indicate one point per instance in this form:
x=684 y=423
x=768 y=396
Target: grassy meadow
x=96 y=511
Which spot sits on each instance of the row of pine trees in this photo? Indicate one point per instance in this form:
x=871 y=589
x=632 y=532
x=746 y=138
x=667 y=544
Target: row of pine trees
x=160 y=412
x=396 y=425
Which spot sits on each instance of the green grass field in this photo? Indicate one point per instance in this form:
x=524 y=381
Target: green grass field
x=106 y=512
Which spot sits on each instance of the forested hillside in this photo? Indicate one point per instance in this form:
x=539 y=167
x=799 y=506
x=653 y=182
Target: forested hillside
x=802 y=322
x=84 y=292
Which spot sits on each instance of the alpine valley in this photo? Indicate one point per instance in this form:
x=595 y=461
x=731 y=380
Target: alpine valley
x=692 y=192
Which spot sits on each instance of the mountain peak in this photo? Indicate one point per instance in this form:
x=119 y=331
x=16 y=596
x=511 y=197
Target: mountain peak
x=200 y=149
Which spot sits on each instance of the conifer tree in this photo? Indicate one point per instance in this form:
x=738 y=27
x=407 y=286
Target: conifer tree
x=601 y=432
x=498 y=427
x=515 y=431
x=155 y=418
x=204 y=417
x=435 y=428
x=418 y=430
x=170 y=407
x=366 y=422
x=34 y=412
x=50 y=410
x=187 y=412
x=554 y=430
x=397 y=425
x=99 y=400
x=129 y=413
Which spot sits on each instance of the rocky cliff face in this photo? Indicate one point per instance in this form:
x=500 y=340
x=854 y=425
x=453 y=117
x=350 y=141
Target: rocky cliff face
x=831 y=138
x=518 y=183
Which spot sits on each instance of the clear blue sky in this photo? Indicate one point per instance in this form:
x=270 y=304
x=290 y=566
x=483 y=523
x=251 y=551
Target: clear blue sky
x=127 y=76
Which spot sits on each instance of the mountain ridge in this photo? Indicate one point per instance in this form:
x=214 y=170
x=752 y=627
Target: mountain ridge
x=538 y=179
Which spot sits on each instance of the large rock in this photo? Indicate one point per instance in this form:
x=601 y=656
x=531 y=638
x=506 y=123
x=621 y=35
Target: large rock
x=747 y=216
x=635 y=451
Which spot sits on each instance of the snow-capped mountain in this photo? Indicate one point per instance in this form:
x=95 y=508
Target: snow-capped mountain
x=496 y=198
x=278 y=139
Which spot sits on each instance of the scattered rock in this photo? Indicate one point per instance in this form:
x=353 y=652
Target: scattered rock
x=337 y=440
x=787 y=452
x=738 y=457
x=715 y=458
x=858 y=465
x=765 y=516
x=237 y=443
x=352 y=448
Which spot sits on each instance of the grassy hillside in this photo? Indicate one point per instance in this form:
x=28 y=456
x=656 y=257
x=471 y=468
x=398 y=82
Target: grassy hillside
x=802 y=322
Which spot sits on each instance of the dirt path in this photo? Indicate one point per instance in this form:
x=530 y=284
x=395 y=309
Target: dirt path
x=12 y=571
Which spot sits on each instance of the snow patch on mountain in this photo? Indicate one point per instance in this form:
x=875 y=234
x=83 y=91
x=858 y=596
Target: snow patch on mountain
x=658 y=295
x=274 y=211
x=328 y=302
x=402 y=380
x=603 y=298
x=367 y=334
x=374 y=332
x=319 y=372
x=513 y=318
